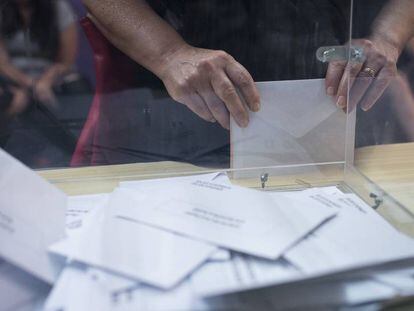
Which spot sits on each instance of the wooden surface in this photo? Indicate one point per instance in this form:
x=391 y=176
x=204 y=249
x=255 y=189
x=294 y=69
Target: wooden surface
x=392 y=168
x=389 y=166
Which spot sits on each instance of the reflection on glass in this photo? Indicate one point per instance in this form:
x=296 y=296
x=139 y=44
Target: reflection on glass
x=170 y=74
x=39 y=80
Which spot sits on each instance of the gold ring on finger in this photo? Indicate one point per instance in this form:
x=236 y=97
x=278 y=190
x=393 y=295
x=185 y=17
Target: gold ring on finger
x=370 y=71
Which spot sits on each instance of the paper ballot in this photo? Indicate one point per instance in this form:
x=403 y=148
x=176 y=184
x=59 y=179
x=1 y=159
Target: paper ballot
x=129 y=248
x=241 y=273
x=166 y=182
x=79 y=289
x=79 y=207
x=297 y=124
x=32 y=216
x=233 y=217
x=357 y=237
x=18 y=289
x=295 y=106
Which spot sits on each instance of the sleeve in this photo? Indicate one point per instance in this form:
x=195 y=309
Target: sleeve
x=65 y=14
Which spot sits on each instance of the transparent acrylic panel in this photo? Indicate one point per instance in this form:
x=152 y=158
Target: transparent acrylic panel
x=89 y=104
x=381 y=111
x=47 y=80
x=90 y=101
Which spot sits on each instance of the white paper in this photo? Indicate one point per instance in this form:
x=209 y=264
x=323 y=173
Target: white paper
x=357 y=237
x=295 y=106
x=232 y=217
x=80 y=206
x=32 y=216
x=78 y=290
x=83 y=211
x=297 y=125
x=326 y=295
x=131 y=249
x=246 y=272
x=239 y=274
x=165 y=182
x=19 y=289
x=400 y=279
x=220 y=255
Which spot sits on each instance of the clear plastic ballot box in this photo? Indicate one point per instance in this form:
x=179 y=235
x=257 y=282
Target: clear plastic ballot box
x=335 y=81
x=300 y=138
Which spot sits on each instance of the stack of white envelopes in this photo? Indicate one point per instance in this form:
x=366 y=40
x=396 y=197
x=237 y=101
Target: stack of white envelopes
x=201 y=243
x=193 y=243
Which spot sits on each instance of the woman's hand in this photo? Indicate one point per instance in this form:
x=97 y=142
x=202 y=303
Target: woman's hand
x=43 y=92
x=367 y=80
x=210 y=83
x=20 y=102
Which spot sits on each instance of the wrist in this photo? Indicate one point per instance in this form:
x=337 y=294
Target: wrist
x=389 y=43
x=27 y=83
x=168 y=57
x=45 y=79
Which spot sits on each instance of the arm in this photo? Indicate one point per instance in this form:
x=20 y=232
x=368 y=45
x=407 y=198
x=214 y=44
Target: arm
x=11 y=72
x=66 y=54
x=65 y=59
x=395 y=24
x=136 y=30
x=204 y=80
x=390 y=33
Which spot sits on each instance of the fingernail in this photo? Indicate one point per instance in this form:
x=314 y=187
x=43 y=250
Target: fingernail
x=341 y=102
x=256 y=107
x=330 y=91
x=366 y=107
x=244 y=123
x=212 y=120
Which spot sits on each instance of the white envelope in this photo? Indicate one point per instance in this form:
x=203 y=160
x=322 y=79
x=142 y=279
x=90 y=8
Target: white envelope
x=297 y=125
x=134 y=250
x=78 y=290
x=241 y=273
x=32 y=216
x=19 y=289
x=80 y=207
x=232 y=217
x=295 y=106
x=144 y=184
x=357 y=237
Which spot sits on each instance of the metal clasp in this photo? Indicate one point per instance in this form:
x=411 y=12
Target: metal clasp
x=263 y=179
x=327 y=54
x=377 y=200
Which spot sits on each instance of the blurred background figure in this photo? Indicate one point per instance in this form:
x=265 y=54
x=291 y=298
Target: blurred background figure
x=402 y=92
x=38 y=50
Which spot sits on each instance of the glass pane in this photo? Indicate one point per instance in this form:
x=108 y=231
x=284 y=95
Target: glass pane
x=46 y=78
x=140 y=109
x=381 y=109
x=175 y=99
x=278 y=93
